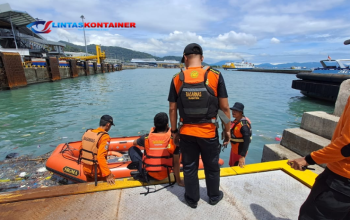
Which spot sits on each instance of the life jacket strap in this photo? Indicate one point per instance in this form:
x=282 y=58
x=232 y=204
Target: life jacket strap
x=170 y=184
x=165 y=157
x=238 y=140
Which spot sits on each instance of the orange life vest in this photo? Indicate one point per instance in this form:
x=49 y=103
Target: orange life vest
x=89 y=146
x=236 y=135
x=197 y=98
x=157 y=157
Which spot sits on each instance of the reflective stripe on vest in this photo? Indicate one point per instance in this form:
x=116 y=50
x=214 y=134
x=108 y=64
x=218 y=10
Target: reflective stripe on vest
x=157 y=157
x=89 y=146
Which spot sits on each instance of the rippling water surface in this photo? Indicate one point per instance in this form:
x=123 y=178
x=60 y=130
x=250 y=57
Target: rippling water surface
x=35 y=119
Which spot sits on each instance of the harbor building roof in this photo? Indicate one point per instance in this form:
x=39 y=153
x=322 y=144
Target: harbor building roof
x=18 y=18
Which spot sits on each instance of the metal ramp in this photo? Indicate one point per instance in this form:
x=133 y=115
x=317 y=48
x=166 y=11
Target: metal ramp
x=249 y=193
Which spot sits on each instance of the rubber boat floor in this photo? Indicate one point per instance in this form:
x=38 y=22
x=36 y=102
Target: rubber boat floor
x=259 y=191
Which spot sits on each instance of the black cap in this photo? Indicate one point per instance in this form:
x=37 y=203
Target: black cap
x=161 y=119
x=107 y=118
x=238 y=106
x=189 y=50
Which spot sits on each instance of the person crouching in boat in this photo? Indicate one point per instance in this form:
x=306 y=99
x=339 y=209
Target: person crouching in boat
x=160 y=153
x=94 y=150
x=241 y=132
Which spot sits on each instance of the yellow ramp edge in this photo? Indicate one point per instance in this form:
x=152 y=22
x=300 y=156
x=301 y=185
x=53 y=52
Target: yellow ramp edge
x=306 y=177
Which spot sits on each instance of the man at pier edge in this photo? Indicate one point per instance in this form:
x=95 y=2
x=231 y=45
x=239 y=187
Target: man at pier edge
x=330 y=195
x=241 y=133
x=198 y=93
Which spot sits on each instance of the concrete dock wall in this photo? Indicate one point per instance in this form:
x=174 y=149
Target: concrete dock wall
x=13 y=74
x=315 y=132
x=344 y=93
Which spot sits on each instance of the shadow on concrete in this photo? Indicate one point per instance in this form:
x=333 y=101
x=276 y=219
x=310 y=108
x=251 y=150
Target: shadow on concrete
x=179 y=192
x=261 y=213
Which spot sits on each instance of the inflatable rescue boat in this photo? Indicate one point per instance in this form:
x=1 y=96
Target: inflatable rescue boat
x=64 y=159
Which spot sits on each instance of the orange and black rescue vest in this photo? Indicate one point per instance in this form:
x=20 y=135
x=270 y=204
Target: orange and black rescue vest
x=236 y=135
x=157 y=157
x=89 y=146
x=197 y=102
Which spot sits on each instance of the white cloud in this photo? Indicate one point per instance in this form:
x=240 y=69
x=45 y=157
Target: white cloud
x=289 y=25
x=226 y=30
x=284 y=7
x=236 y=38
x=275 y=40
x=214 y=55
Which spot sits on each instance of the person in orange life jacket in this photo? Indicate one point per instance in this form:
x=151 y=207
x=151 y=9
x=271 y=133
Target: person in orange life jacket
x=97 y=141
x=240 y=136
x=198 y=93
x=158 y=135
x=329 y=197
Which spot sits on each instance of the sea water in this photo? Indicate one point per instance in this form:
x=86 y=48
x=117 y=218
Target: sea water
x=36 y=118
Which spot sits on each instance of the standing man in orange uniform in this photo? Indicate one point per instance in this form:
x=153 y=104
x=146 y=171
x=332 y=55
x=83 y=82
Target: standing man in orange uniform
x=330 y=195
x=94 y=150
x=241 y=133
x=198 y=93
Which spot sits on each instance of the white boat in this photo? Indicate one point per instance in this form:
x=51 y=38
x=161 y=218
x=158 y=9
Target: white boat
x=238 y=65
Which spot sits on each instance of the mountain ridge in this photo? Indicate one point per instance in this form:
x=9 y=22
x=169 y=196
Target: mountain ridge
x=116 y=52
x=280 y=65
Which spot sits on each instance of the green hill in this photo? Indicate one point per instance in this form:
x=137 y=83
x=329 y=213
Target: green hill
x=115 y=52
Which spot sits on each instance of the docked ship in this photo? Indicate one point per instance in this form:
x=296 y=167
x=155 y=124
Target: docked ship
x=238 y=65
x=324 y=82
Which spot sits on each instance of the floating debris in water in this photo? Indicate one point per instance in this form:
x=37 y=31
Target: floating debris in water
x=26 y=135
x=64 y=137
x=40 y=170
x=23 y=174
x=42 y=132
x=277 y=139
x=38 y=146
x=12 y=155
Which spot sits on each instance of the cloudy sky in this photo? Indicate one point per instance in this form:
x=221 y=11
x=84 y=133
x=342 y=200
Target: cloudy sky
x=274 y=31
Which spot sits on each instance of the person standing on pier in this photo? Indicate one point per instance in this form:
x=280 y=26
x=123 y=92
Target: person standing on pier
x=330 y=195
x=94 y=150
x=198 y=93
x=241 y=133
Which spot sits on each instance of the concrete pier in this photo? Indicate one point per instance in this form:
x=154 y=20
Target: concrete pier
x=315 y=132
x=288 y=71
x=261 y=191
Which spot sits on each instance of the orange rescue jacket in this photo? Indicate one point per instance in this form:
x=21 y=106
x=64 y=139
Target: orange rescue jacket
x=99 y=156
x=158 y=158
x=205 y=130
x=236 y=135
